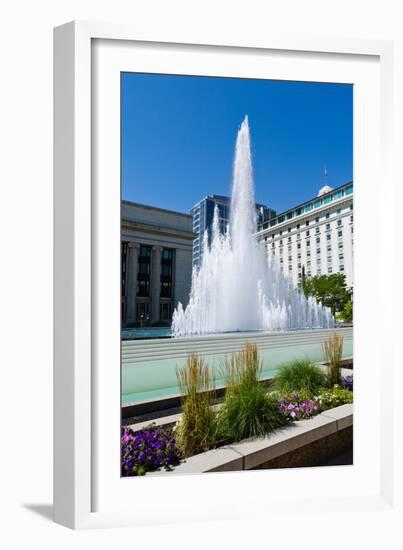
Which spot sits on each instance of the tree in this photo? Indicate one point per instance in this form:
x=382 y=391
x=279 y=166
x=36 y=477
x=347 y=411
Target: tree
x=329 y=290
x=348 y=312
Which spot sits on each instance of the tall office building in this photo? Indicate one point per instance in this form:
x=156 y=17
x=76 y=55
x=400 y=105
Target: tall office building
x=203 y=213
x=317 y=234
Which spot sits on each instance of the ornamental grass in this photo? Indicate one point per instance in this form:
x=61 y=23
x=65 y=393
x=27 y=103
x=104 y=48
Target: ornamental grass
x=195 y=432
x=247 y=411
x=333 y=351
x=299 y=375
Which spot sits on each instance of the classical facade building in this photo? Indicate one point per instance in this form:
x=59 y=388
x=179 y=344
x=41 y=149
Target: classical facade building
x=203 y=212
x=156 y=260
x=317 y=234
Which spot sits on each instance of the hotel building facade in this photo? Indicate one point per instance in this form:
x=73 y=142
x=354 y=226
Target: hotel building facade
x=156 y=263
x=317 y=235
x=203 y=212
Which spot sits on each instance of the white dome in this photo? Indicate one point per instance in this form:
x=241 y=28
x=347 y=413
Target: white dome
x=325 y=190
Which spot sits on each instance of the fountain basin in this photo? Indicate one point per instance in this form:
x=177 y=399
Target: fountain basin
x=149 y=366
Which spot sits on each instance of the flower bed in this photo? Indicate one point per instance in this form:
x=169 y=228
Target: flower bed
x=147 y=450
x=249 y=410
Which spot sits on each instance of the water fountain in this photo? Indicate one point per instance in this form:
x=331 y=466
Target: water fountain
x=237 y=288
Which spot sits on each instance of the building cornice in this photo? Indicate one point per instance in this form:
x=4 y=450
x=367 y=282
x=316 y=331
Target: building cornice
x=157 y=230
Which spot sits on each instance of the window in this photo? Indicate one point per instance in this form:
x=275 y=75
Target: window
x=309 y=273
x=329 y=259
x=166 y=289
x=299 y=256
x=317 y=230
x=281 y=241
x=281 y=233
x=339 y=222
x=308 y=243
x=289 y=230
x=143 y=311
x=167 y=255
x=143 y=273
x=307 y=222
x=338 y=210
x=272 y=245
x=351 y=219
x=308 y=263
x=340 y=233
x=341 y=268
x=308 y=254
x=329 y=247
x=329 y=269
x=317 y=219
x=307 y=233
x=317 y=240
x=290 y=267
x=281 y=260
x=298 y=226
x=165 y=311
x=318 y=261
x=327 y=226
x=328 y=237
x=289 y=239
x=299 y=246
x=341 y=256
x=290 y=258
x=318 y=251
x=340 y=245
x=327 y=215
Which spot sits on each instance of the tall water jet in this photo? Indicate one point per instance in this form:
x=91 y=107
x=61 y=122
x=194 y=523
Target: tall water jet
x=237 y=287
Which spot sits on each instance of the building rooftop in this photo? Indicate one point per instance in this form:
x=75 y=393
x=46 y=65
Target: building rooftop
x=326 y=196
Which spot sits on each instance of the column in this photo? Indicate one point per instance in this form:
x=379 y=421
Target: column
x=155 y=283
x=132 y=269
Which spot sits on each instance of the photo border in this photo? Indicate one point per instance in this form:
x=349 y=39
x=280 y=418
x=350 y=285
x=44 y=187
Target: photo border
x=74 y=394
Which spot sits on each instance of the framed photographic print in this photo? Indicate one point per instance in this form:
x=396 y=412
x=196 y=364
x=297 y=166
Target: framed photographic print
x=216 y=250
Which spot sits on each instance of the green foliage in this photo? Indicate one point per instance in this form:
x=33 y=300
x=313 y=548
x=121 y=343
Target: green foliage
x=333 y=397
x=299 y=375
x=249 y=412
x=347 y=312
x=333 y=351
x=195 y=432
x=330 y=290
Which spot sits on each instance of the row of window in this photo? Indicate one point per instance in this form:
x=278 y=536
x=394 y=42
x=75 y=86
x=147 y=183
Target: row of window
x=310 y=206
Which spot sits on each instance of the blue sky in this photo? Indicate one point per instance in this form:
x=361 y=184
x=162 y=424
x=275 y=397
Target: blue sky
x=178 y=137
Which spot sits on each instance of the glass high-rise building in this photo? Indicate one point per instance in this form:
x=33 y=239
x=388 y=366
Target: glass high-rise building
x=203 y=213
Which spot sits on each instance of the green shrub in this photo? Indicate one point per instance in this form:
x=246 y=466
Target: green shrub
x=249 y=412
x=333 y=397
x=333 y=351
x=299 y=375
x=195 y=432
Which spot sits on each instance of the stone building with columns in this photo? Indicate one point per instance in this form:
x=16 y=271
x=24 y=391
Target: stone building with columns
x=156 y=263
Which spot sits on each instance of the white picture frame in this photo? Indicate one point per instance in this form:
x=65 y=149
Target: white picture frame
x=88 y=491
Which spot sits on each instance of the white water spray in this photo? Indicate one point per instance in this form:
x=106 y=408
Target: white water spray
x=237 y=288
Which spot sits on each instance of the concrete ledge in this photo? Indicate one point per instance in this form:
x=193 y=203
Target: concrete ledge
x=252 y=453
